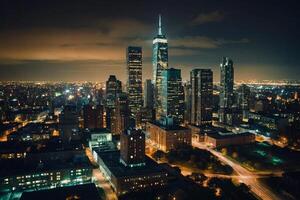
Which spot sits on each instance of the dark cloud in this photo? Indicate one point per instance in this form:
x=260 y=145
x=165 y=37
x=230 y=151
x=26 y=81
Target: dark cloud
x=49 y=39
x=215 y=16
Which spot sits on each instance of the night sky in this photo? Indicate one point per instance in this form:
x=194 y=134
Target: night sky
x=86 y=40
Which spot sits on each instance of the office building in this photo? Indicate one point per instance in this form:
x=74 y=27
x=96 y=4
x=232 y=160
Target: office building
x=131 y=179
x=143 y=116
x=160 y=63
x=129 y=169
x=82 y=192
x=148 y=94
x=244 y=101
x=100 y=139
x=45 y=166
x=93 y=116
x=167 y=136
x=202 y=96
x=122 y=113
x=69 y=123
x=132 y=149
x=187 y=90
x=226 y=91
x=113 y=89
x=134 y=81
x=172 y=95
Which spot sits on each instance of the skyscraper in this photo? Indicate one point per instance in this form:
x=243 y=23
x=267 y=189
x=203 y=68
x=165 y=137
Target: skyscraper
x=134 y=82
x=122 y=113
x=113 y=89
x=160 y=63
x=69 y=123
x=93 y=116
x=244 y=100
x=132 y=148
x=148 y=94
x=172 y=95
x=187 y=88
x=202 y=96
x=226 y=90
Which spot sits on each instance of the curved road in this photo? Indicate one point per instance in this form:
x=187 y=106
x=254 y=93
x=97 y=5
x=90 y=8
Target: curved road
x=244 y=175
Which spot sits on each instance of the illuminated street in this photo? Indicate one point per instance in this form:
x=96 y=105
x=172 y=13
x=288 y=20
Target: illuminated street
x=104 y=184
x=244 y=175
x=99 y=179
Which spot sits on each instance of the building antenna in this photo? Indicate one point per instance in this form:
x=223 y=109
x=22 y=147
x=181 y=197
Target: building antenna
x=159 y=24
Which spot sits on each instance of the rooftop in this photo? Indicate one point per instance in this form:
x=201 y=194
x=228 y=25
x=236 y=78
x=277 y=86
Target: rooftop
x=228 y=136
x=112 y=161
x=170 y=127
x=32 y=165
x=82 y=192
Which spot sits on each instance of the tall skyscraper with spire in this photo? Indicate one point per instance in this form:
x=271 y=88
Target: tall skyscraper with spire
x=160 y=63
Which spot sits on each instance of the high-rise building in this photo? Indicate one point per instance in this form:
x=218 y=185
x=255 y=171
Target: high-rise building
x=148 y=94
x=122 y=113
x=134 y=82
x=93 y=116
x=187 y=88
x=113 y=89
x=226 y=91
x=132 y=148
x=69 y=123
x=143 y=116
x=244 y=100
x=160 y=63
x=202 y=96
x=172 y=95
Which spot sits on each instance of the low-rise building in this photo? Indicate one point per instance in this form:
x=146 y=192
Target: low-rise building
x=124 y=179
x=99 y=138
x=167 y=137
x=220 y=140
x=43 y=166
x=82 y=192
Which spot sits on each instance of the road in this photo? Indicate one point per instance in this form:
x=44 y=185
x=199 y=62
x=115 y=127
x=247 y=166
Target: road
x=244 y=175
x=104 y=184
x=99 y=179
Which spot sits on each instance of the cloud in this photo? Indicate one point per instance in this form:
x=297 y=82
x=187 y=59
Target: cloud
x=215 y=16
x=106 y=39
x=191 y=45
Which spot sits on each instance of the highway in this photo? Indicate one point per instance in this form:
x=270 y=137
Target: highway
x=243 y=174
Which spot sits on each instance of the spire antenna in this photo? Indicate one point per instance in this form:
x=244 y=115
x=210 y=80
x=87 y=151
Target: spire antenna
x=159 y=25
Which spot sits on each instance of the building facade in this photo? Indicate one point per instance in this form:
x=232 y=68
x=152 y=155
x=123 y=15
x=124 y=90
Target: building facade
x=172 y=95
x=244 y=101
x=122 y=113
x=93 y=116
x=226 y=91
x=113 y=89
x=134 y=82
x=132 y=149
x=69 y=123
x=166 y=138
x=202 y=96
x=160 y=63
x=148 y=94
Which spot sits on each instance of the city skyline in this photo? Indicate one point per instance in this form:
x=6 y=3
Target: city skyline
x=87 y=43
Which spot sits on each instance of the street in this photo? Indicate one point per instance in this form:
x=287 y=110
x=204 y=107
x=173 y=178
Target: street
x=100 y=180
x=243 y=175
